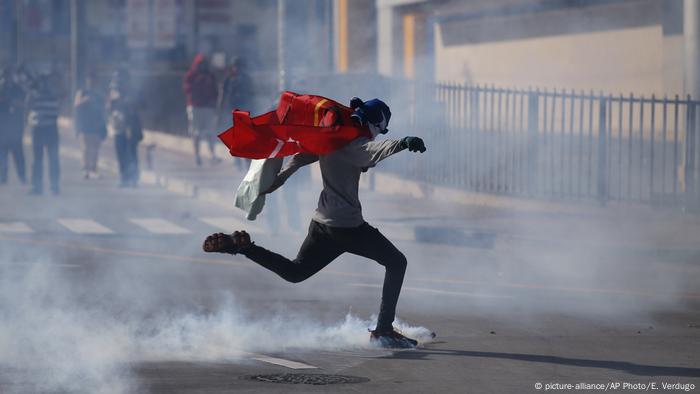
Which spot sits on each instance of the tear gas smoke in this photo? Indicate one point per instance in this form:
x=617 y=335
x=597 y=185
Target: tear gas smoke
x=50 y=340
x=59 y=336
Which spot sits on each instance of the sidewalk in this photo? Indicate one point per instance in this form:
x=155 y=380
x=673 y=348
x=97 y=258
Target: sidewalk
x=411 y=211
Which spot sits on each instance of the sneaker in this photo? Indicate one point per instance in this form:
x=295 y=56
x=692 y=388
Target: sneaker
x=391 y=339
x=227 y=243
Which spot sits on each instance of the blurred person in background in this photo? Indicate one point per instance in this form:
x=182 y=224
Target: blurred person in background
x=12 y=99
x=42 y=114
x=235 y=92
x=23 y=77
x=283 y=206
x=289 y=197
x=88 y=108
x=124 y=124
x=201 y=92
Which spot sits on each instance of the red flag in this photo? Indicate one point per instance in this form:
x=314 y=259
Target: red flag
x=301 y=123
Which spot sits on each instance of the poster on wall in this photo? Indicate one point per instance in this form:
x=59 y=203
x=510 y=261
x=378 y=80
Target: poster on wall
x=214 y=17
x=164 y=24
x=138 y=16
x=38 y=16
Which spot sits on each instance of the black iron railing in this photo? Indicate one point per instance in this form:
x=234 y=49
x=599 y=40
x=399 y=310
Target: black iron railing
x=558 y=144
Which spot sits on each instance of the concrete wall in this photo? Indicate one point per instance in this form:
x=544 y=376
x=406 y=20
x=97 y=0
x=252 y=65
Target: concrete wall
x=630 y=60
x=617 y=46
x=673 y=65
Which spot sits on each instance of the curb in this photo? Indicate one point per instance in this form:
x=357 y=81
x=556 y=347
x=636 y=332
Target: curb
x=388 y=183
x=385 y=183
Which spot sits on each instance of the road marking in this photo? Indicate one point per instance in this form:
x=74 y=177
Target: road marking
x=50 y=265
x=130 y=253
x=230 y=224
x=160 y=226
x=244 y=264
x=84 y=226
x=280 y=361
x=15 y=227
x=435 y=291
x=64 y=265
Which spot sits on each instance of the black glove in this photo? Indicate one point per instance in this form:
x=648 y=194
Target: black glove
x=414 y=144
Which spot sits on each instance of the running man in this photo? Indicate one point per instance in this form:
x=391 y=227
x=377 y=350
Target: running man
x=337 y=226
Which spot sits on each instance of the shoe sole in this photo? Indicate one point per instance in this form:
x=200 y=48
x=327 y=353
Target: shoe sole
x=394 y=343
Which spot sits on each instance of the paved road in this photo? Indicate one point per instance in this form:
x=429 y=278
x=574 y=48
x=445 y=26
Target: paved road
x=105 y=290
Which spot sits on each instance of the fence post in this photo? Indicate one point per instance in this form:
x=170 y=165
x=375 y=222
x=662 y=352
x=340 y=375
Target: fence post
x=532 y=143
x=602 y=151
x=689 y=169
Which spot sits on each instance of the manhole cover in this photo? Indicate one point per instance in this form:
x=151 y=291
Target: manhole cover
x=308 y=378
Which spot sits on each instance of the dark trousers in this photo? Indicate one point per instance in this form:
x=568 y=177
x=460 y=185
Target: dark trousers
x=15 y=148
x=45 y=138
x=324 y=243
x=128 y=158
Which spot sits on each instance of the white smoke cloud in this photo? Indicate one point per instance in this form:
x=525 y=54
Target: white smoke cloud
x=53 y=339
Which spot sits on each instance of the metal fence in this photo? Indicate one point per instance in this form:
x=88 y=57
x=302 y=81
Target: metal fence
x=564 y=144
x=555 y=144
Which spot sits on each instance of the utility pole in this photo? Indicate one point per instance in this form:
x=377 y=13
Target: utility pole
x=77 y=44
x=281 y=81
x=691 y=33
x=19 y=34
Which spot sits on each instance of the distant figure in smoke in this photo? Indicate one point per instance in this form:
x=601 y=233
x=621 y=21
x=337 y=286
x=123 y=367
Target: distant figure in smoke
x=42 y=114
x=338 y=226
x=12 y=100
x=275 y=213
x=23 y=77
x=124 y=123
x=88 y=107
x=290 y=196
x=236 y=91
x=201 y=92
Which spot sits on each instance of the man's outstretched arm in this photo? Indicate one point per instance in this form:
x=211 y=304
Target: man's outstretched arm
x=299 y=160
x=370 y=153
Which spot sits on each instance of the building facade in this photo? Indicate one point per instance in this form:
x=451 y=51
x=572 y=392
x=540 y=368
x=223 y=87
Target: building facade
x=615 y=46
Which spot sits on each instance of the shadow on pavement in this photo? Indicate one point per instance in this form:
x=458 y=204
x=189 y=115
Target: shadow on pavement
x=632 y=368
x=454 y=236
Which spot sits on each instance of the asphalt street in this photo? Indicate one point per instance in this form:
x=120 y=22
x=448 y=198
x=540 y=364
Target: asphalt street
x=106 y=289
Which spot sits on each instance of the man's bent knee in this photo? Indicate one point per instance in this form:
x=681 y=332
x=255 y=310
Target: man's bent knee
x=397 y=262
x=296 y=277
x=296 y=273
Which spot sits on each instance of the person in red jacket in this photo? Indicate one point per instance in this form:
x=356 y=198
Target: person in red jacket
x=201 y=91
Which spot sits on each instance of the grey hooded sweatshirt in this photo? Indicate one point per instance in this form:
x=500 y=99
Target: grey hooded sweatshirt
x=339 y=203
